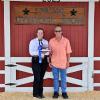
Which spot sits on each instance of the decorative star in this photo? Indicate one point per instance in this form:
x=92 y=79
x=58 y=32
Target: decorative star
x=73 y=12
x=26 y=11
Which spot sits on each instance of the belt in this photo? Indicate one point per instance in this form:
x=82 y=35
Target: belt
x=36 y=56
x=35 y=59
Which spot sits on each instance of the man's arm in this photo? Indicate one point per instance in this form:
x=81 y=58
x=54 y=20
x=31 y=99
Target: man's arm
x=50 y=54
x=68 y=59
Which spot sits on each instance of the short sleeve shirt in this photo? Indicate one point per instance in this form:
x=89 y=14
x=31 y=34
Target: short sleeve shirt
x=59 y=51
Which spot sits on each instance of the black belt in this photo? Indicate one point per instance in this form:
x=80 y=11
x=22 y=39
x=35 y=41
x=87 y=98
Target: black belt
x=36 y=56
x=35 y=59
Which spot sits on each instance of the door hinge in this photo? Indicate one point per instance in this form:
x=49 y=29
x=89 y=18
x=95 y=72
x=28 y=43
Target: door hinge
x=10 y=84
x=10 y=65
x=93 y=74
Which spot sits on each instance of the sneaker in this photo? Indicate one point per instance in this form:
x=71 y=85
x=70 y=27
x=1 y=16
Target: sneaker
x=64 y=95
x=56 y=95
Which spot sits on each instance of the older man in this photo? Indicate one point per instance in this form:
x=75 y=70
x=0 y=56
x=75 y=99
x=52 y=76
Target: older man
x=60 y=54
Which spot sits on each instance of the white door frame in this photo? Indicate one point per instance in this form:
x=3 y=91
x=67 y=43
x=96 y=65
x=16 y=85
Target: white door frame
x=8 y=70
x=7 y=43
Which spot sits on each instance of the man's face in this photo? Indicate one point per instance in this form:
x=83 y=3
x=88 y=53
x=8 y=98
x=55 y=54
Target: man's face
x=58 y=31
x=40 y=34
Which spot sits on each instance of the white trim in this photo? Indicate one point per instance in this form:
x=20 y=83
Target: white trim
x=48 y=75
x=7 y=41
x=28 y=59
x=79 y=59
x=75 y=81
x=2 y=71
x=96 y=84
x=24 y=68
x=96 y=71
x=85 y=74
x=91 y=29
x=13 y=75
x=21 y=59
x=75 y=68
x=46 y=89
x=24 y=80
x=2 y=58
x=7 y=28
x=97 y=58
x=91 y=43
x=2 y=85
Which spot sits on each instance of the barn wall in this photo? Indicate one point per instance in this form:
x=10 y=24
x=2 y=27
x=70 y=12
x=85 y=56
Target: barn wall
x=2 y=67
x=96 y=43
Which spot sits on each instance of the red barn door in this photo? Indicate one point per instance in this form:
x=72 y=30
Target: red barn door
x=21 y=36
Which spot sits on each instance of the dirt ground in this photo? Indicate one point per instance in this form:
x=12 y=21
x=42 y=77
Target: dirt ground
x=94 y=95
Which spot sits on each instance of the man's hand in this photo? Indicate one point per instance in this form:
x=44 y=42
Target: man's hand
x=50 y=65
x=67 y=64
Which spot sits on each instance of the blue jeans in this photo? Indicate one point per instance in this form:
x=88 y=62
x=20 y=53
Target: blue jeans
x=62 y=72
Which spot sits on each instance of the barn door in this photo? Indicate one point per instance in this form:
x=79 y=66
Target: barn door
x=19 y=75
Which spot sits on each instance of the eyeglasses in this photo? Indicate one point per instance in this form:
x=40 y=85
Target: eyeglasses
x=57 y=30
